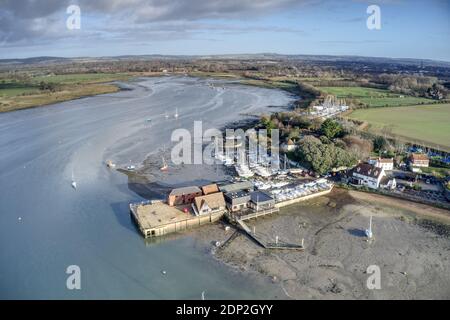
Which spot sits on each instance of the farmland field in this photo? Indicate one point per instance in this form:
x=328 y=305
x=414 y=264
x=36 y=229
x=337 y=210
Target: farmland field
x=80 y=78
x=10 y=89
x=427 y=123
x=374 y=97
x=19 y=94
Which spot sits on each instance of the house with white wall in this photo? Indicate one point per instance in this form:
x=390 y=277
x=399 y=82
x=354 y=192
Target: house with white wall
x=368 y=175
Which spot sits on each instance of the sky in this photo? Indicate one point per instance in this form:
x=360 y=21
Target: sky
x=408 y=28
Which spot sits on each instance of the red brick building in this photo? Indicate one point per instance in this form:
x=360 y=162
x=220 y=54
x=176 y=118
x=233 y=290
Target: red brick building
x=183 y=195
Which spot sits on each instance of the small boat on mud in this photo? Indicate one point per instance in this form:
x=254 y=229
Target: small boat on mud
x=164 y=167
x=74 y=183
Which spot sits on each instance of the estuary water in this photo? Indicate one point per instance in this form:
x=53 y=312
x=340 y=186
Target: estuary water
x=46 y=225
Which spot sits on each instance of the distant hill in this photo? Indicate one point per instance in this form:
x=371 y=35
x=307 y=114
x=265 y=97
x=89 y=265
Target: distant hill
x=260 y=56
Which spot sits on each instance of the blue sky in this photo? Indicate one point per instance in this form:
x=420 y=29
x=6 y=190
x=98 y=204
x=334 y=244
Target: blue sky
x=409 y=29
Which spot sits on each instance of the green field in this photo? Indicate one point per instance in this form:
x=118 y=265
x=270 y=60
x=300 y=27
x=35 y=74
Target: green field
x=25 y=92
x=374 y=97
x=80 y=78
x=11 y=89
x=425 y=123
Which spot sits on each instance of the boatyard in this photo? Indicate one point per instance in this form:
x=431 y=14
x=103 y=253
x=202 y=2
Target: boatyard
x=237 y=200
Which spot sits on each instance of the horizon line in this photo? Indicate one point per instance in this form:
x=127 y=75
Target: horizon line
x=229 y=54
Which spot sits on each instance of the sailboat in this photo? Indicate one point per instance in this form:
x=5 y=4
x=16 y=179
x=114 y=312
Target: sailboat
x=74 y=183
x=176 y=113
x=369 y=231
x=165 y=166
x=166 y=115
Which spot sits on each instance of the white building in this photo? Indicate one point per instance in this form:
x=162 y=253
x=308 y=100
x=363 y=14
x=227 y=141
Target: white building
x=385 y=163
x=367 y=175
x=388 y=183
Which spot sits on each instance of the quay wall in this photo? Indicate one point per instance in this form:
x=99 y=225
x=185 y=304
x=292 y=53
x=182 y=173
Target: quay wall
x=295 y=200
x=177 y=226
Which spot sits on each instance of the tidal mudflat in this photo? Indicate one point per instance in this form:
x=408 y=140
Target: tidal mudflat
x=412 y=251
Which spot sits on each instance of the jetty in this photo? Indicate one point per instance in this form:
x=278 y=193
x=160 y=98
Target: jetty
x=259 y=238
x=157 y=218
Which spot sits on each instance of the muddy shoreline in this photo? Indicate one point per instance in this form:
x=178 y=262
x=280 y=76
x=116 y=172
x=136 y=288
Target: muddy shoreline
x=412 y=251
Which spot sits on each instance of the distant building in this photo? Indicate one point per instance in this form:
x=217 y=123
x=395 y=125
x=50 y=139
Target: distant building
x=366 y=174
x=183 y=195
x=210 y=203
x=210 y=188
x=237 y=201
x=418 y=160
x=261 y=201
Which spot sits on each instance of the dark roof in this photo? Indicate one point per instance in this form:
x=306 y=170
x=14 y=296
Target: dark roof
x=367 y=170
x=259 y=197
x=236 y=195
x=185 y=190
x=233 y=187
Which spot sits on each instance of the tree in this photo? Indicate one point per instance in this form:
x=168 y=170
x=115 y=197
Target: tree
x=358 y=146
x=380 y=144
x=47 y=86
x=331 y=128
x=323 y=157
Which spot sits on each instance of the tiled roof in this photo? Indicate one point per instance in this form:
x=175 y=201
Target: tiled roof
x=213 y=200
x=185 y=190
x=386 y=160
x=419 y=156
x=210 y=188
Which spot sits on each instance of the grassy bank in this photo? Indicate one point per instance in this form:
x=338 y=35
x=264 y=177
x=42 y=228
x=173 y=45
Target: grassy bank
x=33 y=91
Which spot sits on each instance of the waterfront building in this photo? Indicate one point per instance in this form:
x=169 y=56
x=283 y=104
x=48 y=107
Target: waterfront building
x=210 y=203
x=210 y=188
x=185 y=195
x=367 y=175
x=261 y=201
x=237 y=201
